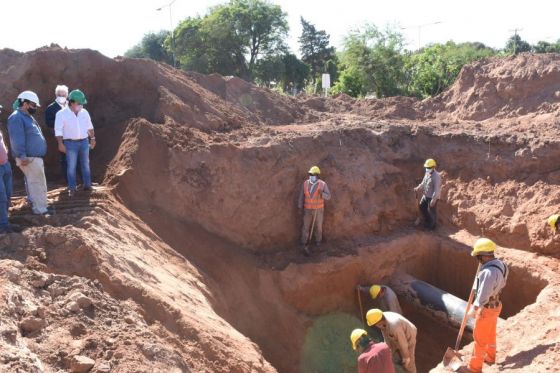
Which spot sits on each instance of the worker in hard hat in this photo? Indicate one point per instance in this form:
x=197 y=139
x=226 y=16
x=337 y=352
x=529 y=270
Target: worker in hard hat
x=384 y=296
x=75 y=135
x=398 y=333
x=431 y=190
x=311 y=202
x=553 y=222
x=28 y=148
x=490 y=281
x=373 y=357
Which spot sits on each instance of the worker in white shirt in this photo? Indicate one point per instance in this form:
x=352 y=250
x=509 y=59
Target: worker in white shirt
x=75 y=135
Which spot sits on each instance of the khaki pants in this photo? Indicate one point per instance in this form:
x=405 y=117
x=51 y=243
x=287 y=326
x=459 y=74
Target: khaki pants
x=317 y=228
x=36 y=183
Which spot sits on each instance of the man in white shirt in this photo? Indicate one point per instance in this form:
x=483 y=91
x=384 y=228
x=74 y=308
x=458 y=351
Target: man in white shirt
x=74 y=133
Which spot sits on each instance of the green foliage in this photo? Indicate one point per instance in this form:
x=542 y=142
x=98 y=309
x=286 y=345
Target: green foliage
x=232 y=37
x=315 y=49
x=434 y=68
x=517 y=45
x=284 y=71
x=376 y=61
x=152 y=46
x=546 y=47
x=352 y=82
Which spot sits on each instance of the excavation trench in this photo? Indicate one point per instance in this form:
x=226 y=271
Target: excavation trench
x=326 y=292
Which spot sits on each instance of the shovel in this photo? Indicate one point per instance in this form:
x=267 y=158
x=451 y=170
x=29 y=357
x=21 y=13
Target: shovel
x=306 y=247
x=452 y=358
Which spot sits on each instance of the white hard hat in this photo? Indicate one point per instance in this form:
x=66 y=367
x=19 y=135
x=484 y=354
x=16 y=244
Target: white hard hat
x=30 y=96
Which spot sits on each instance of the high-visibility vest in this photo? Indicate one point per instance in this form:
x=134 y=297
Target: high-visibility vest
x=315 y=201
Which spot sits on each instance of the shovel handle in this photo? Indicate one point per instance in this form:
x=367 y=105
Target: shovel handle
x=465 y=316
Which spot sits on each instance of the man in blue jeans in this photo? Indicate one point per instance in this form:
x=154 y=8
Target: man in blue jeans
x=74 y=133
x=5 y=189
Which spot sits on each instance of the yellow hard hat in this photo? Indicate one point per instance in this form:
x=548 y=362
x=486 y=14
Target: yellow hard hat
x=314 y=170
x=355 y=337
x=483 y=246
x=373 y=316
x=374 y=291
x=553 y=220
x=430 y=163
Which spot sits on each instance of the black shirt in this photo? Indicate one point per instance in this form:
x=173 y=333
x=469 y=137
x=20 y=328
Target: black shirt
x=50 y=114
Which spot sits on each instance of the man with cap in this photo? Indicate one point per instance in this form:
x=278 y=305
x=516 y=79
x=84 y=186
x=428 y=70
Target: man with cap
x=431 y=191
x=312 y=197
x=5 y=188
x=486 y=308
x=28 y=148
x=373 y=357
x=75 y=135
x=385 y=296
x=398 y=333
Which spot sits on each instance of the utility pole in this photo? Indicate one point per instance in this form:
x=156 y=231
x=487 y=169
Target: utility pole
x=420 y=27
x=170 y=30
x=515 y=31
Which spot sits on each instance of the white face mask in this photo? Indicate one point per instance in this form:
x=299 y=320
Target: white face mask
x=313 y=178
x=79 y=107
x=61 y=100
x=429 y=170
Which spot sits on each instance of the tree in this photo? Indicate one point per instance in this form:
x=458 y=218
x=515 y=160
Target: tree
x=285 y=71
x=315 y=50
x=517 y=45
x=152 y=46
x=546 y=47
x=232 y=37
x=375 y=59
x=434 y=68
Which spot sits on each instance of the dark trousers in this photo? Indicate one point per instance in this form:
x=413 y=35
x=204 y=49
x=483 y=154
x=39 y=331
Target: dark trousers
x=429 y=213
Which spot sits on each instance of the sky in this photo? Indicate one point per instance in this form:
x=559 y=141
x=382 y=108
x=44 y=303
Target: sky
x=113 y=26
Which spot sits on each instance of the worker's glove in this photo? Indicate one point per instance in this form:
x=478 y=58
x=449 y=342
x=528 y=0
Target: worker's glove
x=406 y=362
x=433 y=203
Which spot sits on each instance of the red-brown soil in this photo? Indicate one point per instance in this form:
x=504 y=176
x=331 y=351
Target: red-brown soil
x=186 y=258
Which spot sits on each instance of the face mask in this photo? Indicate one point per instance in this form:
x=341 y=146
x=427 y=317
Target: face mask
x=32 y=110
x=313 y=178
x=61 y=100
x=429 y=170
x=79 y=107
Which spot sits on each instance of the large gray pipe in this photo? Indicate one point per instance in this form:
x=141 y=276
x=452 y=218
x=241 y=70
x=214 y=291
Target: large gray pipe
x=437 y=303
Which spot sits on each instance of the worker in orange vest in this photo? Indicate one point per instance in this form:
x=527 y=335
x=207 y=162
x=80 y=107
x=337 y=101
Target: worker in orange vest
x=312 y=203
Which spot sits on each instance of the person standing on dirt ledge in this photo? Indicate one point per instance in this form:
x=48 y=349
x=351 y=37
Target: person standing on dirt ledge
x=385 y=296
x=61 y=94
x=553 y=222
x=312 y=203
x=74 y=132
x=490 y=281
x=28 y=148
x=398 y=333
x=431 y=187
x=374 y=357
x=5 y=189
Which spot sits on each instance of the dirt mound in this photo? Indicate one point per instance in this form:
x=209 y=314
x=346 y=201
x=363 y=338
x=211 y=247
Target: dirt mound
x=502 y=88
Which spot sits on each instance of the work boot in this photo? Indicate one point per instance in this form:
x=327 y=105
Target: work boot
x=71 y=193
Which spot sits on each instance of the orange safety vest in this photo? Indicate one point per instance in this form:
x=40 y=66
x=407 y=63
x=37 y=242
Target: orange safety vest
x=315 y=201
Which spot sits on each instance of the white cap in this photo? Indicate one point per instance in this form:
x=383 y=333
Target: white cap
x=30 y=96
